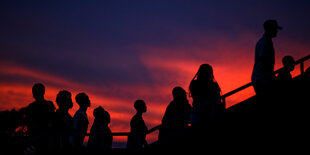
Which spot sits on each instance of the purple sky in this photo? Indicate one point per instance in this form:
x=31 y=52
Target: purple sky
x=122 y=50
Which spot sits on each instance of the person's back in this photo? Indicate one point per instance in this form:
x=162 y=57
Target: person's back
x=39 y=115
x=38 y=118
x=286 y=88
x=138 y=129
x=264 y=58
x=100 y=139
x=176 y=108
x=205 y=92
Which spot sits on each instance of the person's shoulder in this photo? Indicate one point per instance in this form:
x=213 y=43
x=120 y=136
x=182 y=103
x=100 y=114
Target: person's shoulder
x=194 y=84
x=172 y=104
x=264 y=40
x=30 y=105
x=77 y=114
x=214 y=84
x=50 y=104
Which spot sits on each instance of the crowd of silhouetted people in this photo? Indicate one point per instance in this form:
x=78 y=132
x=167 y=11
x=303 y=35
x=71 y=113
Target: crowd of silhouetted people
x=41 y=128
x=48 y=128
x=51 y=129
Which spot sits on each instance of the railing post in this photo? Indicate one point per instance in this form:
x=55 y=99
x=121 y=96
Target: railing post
x=302 y=68
x=224 y=100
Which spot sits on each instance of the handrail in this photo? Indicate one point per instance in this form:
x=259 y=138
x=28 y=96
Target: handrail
x=223 y=97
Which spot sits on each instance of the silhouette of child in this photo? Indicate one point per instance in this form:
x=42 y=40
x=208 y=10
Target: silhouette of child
x=80 y=120
x=178 y=106
x=205 y=91
x=288 y=66
x=38 y=116
x=138 y=129
x=63 y=122
x=102 y=141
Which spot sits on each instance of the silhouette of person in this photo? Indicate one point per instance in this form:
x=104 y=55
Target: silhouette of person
x=80 y=120
x=265 y=59
x=288 y=66
x=102 y=141
x=136 y=139
x=285 y=82
x=205 y=91
x=63 y=123
x=178 y=106
x=38 y=118
x=11 y=129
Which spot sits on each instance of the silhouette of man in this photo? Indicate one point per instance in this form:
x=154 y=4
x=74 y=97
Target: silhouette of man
x=265 y=58
x=80 y=120
x=63 y=122
x=39 y=115
x=138 y=129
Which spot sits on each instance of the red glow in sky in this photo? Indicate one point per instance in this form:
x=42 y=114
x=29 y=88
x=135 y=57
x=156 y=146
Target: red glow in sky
x=118 y=52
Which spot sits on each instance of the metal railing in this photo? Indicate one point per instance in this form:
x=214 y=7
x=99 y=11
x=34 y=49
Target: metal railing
x=223 y=97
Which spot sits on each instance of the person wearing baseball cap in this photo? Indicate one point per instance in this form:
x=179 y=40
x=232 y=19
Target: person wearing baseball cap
x=262 y=74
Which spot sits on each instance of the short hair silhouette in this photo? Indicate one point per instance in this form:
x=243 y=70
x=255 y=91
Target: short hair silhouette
x=140 y=106
x=101 y=142
x=63 y=99
x=82 y=100
x=288 y=62
x=178 y=93
x=100 y=113
x=38 y=91
x=177 y=107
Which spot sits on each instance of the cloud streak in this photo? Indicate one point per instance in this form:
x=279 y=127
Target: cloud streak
x=121 y=51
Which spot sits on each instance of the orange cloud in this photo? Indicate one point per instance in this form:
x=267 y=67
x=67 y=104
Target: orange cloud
x=18 y=95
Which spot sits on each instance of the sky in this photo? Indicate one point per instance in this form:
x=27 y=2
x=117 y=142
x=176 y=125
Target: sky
x=119 y=51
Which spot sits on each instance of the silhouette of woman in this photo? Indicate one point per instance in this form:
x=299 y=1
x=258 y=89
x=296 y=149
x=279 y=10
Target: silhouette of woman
x=205 y=91
x=178 y=106
x=63 y=122
x=138 y=129
x=103 y=140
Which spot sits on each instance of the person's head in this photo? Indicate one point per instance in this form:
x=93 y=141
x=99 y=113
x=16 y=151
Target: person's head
x=205 y=73
x=64 y=100
x=82 y=100
x=288 y=63
x=100 y=114
x=38 y=91
x=271 y=28
x=140 y=106
x=178 y=93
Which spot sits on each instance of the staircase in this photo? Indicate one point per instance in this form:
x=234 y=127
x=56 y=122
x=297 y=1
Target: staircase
x=277 y=124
